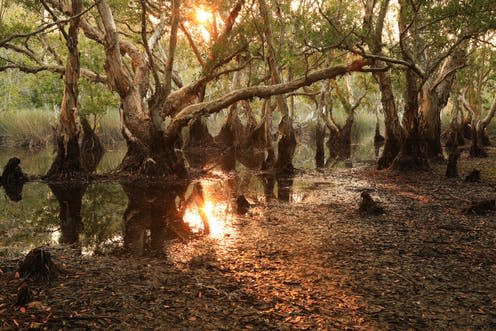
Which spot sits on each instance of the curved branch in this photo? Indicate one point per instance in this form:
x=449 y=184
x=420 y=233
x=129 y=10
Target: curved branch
x=209 y=107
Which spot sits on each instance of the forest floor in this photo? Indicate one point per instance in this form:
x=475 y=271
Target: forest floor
x=312 y=264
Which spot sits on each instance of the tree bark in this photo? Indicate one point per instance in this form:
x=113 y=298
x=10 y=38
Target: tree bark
x=433 y=98
x=287 y=141
x=392 y=127
x=393 y=130
x=411 y=155
x=320 y=128
x=67 y=162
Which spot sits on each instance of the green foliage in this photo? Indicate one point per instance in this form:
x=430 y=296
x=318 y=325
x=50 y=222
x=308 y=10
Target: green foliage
x=95 y=100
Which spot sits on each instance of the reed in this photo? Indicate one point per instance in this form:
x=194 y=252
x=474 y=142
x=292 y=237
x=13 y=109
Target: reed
x=36 y=128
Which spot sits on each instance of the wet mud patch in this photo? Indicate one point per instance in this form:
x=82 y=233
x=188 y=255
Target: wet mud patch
x=314 y=263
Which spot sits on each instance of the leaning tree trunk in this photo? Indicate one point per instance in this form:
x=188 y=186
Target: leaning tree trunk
x=67 y=162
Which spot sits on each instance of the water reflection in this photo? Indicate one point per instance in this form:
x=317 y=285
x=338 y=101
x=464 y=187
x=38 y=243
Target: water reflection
x=208 y=209
x=99 y=219
x=14 y=190
x=69 y=197
x=13 y=179
x=152 y=216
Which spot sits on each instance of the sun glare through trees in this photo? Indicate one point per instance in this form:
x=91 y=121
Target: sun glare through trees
x=247 y=165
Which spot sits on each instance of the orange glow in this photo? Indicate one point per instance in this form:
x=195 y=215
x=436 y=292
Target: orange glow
x=217 y=215
x=203 y=16
x=203 y=19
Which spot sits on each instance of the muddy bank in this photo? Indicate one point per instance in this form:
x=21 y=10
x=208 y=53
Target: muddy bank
x=315 y=263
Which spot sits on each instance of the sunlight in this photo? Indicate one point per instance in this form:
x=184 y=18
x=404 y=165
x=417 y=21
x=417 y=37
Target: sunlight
x=215 y=213
x=193 y=219
x=203 y=18
x=153 y=19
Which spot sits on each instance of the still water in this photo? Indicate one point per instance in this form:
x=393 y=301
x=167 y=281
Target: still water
x=111 y=216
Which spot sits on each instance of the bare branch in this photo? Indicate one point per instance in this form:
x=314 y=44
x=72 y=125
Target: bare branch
x=216 y=105
x=192 y=45
x=46 y=26
x=146 y=45
x=172 y=46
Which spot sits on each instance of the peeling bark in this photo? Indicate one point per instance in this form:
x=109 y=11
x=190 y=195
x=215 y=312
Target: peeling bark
x=67 y=162
x=287 y=141
x=433 y=98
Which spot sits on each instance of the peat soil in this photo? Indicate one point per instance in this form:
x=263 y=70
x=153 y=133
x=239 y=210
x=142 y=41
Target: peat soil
x=315 y=264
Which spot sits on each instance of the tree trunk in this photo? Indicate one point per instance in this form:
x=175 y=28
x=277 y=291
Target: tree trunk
x=392 y=127
x=91 y=148
x=319 y=144
x=454 y=135
x=287 y=141
x=411 y=155
x=320 y=126
x=430 y=109
x=67 y=162
x=434 y=97
x=198 y=146
x=476 y=148
x=482 y=128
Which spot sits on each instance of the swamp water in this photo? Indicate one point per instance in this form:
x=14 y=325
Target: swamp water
x=110 y=216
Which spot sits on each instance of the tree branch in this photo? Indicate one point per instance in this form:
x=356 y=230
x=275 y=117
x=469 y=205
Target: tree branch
x=209 y=107
x=172 y=46
x=46 y=26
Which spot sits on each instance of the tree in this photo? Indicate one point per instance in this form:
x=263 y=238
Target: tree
x=144 y=107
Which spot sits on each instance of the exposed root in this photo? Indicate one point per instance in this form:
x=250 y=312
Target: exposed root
x=480 y=207
x=38 y=265
x=368 y=206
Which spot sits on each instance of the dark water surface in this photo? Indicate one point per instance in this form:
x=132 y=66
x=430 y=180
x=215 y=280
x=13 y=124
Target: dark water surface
x=139 y=218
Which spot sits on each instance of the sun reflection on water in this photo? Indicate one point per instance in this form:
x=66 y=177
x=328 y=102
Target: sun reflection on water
x=210 y=216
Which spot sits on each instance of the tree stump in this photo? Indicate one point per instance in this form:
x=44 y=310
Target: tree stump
x=452 y=168
x=24 y=295
x=480 y=207
x=473 y=176
x=368 y=206
x=38 y=265
x=242 y=205
x=12 y=173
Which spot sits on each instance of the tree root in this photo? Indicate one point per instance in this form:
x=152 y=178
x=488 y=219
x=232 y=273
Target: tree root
x=368 y=206
x=38 y=265
x=480 y=207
